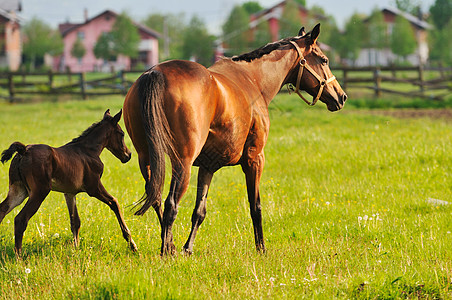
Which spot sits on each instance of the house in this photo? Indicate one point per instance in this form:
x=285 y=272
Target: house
x=384 y=57
x=273 y=16
x=10 y=36
x=89 y=32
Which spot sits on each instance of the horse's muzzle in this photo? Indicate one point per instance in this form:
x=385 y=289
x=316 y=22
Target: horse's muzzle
x=126 y=158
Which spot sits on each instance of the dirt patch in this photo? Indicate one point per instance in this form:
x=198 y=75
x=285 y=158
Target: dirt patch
x=445 y=114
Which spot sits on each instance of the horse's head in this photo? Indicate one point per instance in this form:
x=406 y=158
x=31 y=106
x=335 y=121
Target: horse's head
x=115 y=141
x=312 y=73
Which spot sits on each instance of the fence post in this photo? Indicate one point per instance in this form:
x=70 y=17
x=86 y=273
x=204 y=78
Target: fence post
x=11 y=87
x=421 y=78
x=123 y=82
x=377 y=79
x=344 y=83
x=50 y=80
x=83 y=85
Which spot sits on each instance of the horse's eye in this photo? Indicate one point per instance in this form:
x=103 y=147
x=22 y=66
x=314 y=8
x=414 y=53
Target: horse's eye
x=324 y=60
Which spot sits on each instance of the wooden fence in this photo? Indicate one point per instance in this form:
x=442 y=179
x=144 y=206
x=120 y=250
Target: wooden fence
x=420 y=82
x=414 y=82
x=13 y=85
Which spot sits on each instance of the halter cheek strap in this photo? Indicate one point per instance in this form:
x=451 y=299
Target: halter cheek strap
x=304 y=65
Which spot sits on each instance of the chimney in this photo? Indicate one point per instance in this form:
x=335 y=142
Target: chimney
x=85 y=14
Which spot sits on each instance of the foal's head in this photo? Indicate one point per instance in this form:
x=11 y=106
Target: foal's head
x=313 y=73
x=115 y=137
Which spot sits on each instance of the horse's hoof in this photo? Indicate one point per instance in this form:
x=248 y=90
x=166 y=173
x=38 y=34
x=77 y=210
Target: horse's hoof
x=187 y=252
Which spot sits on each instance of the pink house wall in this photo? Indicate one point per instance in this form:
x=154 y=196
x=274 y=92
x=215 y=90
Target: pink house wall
x=89 y=33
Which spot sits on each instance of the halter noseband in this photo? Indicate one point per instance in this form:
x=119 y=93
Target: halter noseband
x=304 y=65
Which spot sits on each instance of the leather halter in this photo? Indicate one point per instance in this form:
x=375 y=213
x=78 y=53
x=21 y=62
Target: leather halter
x=304 y=65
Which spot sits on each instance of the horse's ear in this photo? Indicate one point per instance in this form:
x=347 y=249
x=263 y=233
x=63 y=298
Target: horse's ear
x=107 y=113
x=117 y=117
x=315 y=33
x=301 y=32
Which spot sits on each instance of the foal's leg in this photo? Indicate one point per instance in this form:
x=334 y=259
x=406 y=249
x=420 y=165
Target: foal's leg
x=30 y=208
x=16 y=195
x=102 y=194
x=199 y=213
x=74 y=217
x=253 y=172
x=179 y=185
x=143 y=160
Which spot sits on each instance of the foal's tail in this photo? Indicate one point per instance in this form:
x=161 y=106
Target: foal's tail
x=15 y=147
x=151 y=86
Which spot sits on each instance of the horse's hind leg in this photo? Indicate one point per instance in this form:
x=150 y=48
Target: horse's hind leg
x=253 y=172
x=74 y=217
x=16 y=195
x=112 y=202
x=179 y=185
x=199 y=213
x=143 y=160
x=30 y=208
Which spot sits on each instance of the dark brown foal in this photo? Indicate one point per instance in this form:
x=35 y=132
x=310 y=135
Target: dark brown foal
x=73 y=168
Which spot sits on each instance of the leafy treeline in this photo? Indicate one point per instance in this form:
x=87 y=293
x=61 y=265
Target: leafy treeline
x=190 y=39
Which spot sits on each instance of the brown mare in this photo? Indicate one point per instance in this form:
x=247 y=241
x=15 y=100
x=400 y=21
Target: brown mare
x=217 y=117
x=73 y=168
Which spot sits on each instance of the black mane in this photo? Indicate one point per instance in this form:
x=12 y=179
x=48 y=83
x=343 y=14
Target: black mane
x=264 y=50
x=86 y=132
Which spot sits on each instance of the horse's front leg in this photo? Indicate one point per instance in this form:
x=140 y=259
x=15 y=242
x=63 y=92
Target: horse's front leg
x=253 y=171
x=74 y=217
x=199 y=213
x=101 y=193
x=179 y=185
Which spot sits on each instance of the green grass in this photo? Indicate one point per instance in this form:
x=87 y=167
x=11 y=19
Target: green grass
x=345 y=215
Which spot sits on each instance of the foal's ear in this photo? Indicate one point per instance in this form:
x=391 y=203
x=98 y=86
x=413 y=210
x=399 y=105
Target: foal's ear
x=117 y=117
x=107 y=113
x=301 y=32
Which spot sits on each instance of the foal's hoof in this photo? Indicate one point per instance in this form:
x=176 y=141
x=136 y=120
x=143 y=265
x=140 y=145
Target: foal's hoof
x=168 y=250
x=187 y=252
x=133 y=246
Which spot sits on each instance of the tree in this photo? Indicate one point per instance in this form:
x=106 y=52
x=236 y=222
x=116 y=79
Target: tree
x=403 y=41
x=261 y=35
x=235 y=30
x=252 y=7
x=172 y=26
x=104 y=47
x=302 y=2
x=441 y=45
x=198 y=43
x=289 y=23
x=78 y=49
x=349 y=44
x=409 y=6
x=125 y=36
x=441 y=13
x=39 y=39
x=377 y=37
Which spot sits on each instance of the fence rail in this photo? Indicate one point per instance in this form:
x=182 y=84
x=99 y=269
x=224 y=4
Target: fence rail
x=15 y=84
x=421 y=82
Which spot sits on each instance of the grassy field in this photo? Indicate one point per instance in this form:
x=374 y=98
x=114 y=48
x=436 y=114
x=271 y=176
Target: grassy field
x=349 y=211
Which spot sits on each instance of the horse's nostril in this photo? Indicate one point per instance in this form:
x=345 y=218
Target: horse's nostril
x=344 y=97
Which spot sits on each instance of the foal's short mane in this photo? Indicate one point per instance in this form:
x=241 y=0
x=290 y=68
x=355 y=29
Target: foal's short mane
x=267 y=49
x=86 y=132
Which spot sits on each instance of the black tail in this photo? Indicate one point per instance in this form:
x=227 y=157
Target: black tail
x=15 y=147
x=158 y=135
